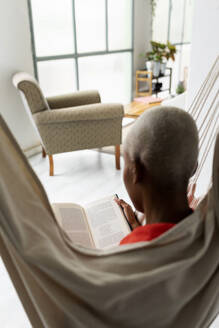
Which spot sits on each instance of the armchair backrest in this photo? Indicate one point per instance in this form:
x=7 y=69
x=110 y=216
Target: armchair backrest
x=31 y=92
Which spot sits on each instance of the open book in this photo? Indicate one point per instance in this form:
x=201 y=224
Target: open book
x=100 y=224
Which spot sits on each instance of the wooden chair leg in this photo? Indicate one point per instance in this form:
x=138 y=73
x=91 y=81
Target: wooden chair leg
x=117 y=156
x=43 y=152
x=51 y=166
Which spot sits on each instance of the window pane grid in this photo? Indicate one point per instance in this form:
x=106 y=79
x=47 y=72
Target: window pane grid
x=92 y=15
x=48 y=72
x=119 y=16
x=80 y=50
x=107 y=73
x=53 y=23
x=172 y=22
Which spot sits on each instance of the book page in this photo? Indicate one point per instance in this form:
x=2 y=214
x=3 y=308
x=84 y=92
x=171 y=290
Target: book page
x=107 y=223
x=72 y=219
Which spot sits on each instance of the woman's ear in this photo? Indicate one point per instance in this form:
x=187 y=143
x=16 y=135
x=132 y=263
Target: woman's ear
x=138 y=172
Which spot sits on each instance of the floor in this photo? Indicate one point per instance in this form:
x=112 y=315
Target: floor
x=80 y=177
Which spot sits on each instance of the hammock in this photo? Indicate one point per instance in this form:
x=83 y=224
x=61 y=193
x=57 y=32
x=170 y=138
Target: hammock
x=204 y=110
x=172 y=281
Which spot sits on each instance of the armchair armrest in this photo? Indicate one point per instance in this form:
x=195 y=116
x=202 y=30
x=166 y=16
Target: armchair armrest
x=74 y=99
x=81 y=113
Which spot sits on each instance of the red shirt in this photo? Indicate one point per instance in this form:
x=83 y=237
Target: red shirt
x=146 y=232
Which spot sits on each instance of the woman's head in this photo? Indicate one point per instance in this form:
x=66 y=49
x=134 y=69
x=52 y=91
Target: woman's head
x=161 y=152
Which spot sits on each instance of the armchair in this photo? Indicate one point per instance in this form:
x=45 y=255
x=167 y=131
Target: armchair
x=71 y=122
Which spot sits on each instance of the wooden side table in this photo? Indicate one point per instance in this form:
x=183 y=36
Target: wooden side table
x=135 y=109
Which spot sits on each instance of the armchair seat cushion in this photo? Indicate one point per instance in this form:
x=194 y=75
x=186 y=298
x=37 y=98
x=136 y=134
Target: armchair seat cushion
x=81 y=113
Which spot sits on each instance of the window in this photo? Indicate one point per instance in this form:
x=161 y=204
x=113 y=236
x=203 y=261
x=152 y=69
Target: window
x=83 y=44
x=172 y=22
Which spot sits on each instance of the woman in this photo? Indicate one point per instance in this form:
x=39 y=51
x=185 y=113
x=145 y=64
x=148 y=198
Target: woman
x=160 y=155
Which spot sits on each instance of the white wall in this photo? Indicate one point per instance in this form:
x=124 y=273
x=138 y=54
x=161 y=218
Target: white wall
x=205 y=45
x=15 y=55
x=142 y=33
x=204 y=50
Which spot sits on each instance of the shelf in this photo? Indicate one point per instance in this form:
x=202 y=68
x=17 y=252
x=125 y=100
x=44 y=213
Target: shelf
x=141 y=71
x=159 y=77
x=144 y=89
x=162 y=90
x=145 y=94
x=144 y=81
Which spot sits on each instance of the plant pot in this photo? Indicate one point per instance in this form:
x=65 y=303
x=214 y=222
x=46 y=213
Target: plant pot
x=149 y=65
x=163 y=68
x=156 y=87
x=156 y=68
x=180 y=88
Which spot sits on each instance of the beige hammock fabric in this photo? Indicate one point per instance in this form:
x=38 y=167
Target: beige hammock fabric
x=171 y=282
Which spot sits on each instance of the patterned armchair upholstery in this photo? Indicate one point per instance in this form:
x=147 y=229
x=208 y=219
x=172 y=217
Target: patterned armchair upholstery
x=71 y=122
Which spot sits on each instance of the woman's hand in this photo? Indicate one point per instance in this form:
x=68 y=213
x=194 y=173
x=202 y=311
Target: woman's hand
x=193 y=202
x=130 y=215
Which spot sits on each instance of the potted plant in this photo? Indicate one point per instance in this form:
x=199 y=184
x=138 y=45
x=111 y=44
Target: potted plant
x=157 y=58
x=149 y=61
x=157 y=64
x=157 y=50
x=180 y=88
x=168 y=53
x=154 y=57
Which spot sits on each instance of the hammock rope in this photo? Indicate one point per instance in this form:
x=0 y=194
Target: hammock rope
x=207 y=123
x=214 y=70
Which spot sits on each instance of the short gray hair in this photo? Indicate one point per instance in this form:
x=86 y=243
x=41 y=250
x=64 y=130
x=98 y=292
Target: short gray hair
x=165 y=141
